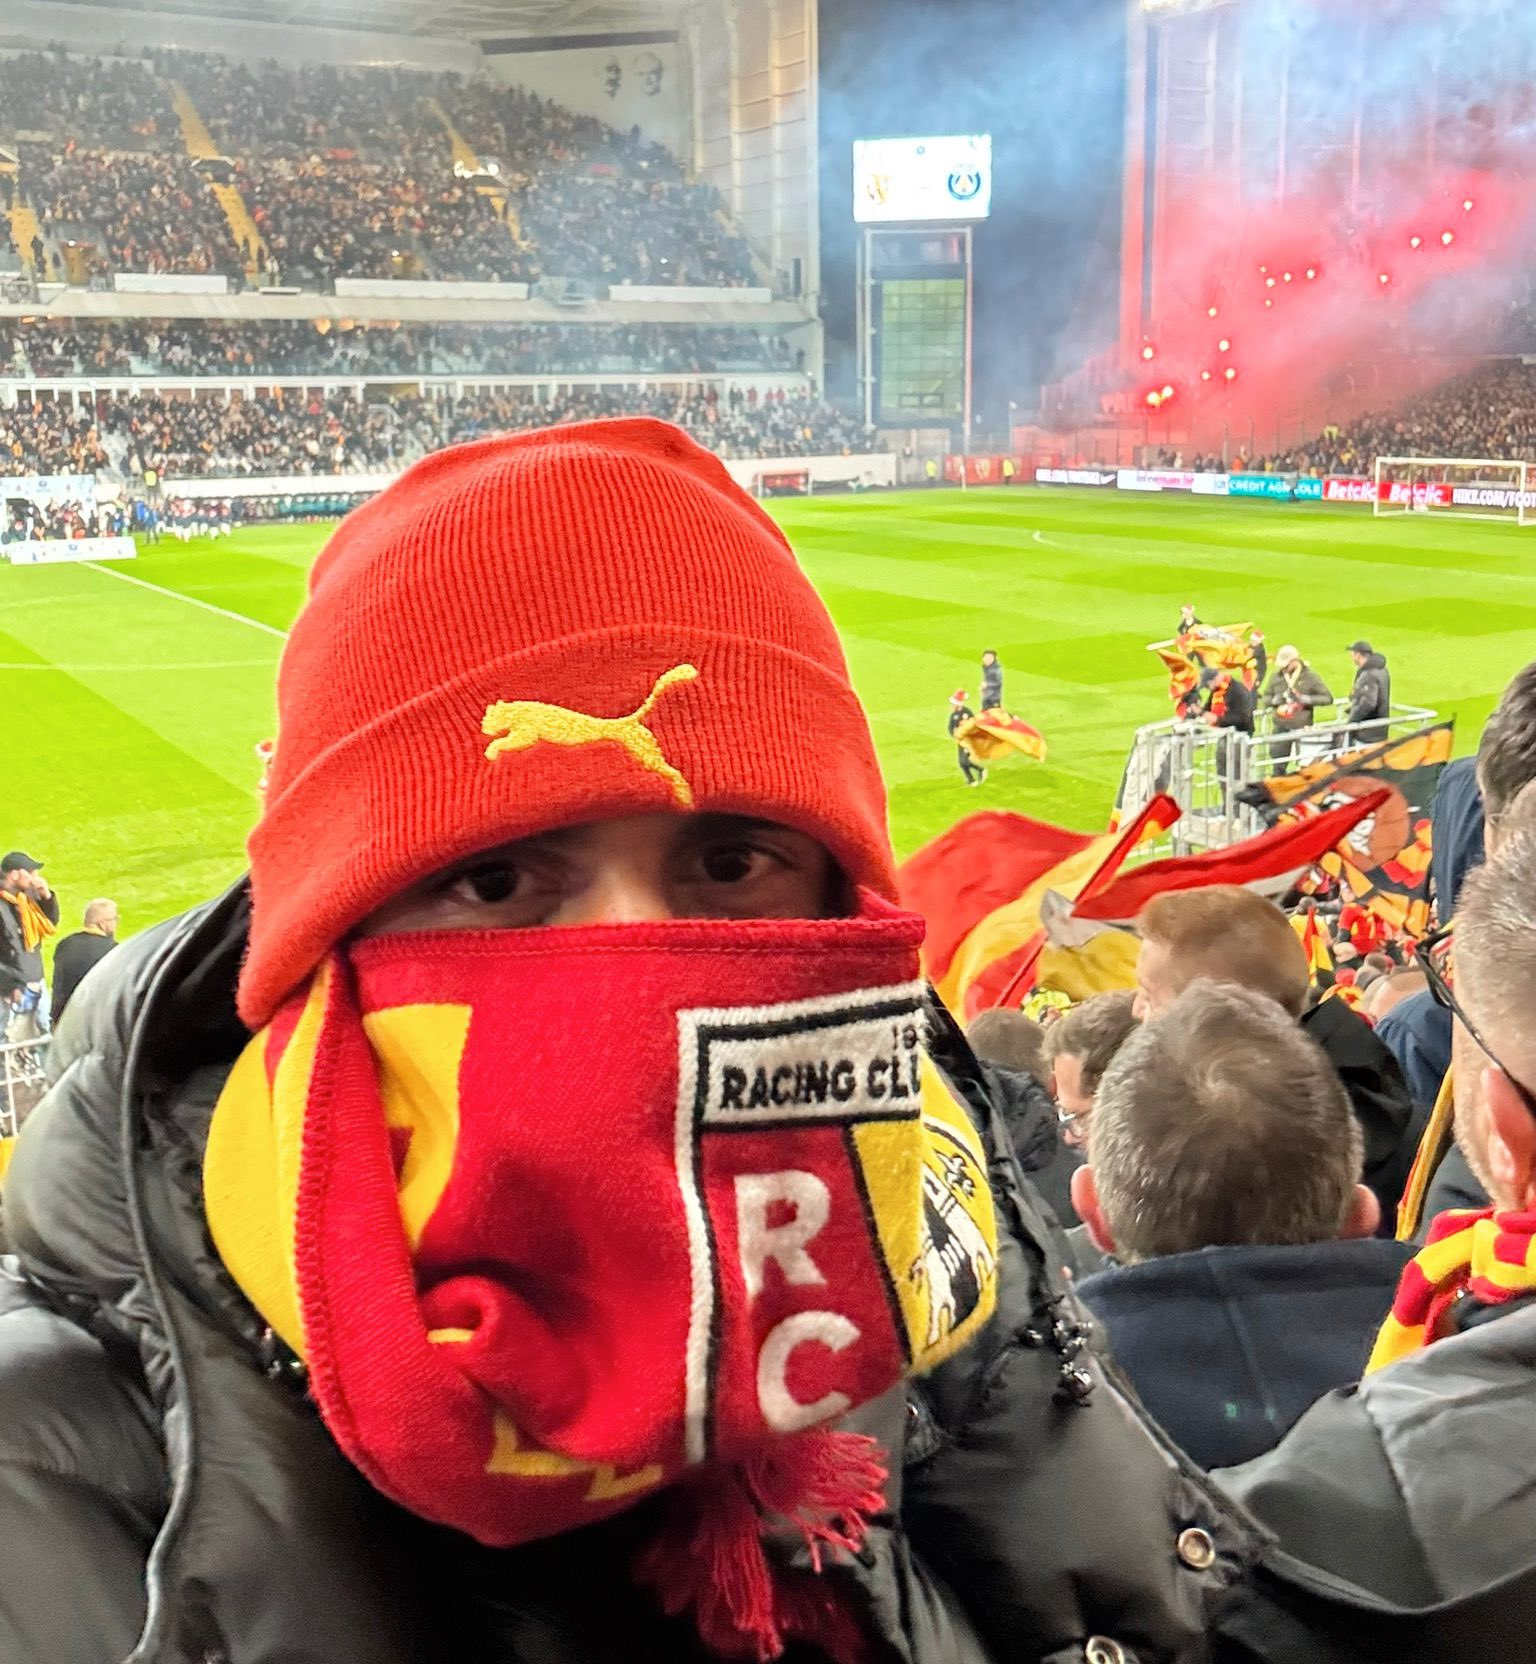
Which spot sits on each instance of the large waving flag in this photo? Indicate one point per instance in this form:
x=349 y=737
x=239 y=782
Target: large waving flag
x=1271 y=863
x=1226 y=647
x=1385 y=863
x=995 y=734
x=981 y=886
x=1071 y=924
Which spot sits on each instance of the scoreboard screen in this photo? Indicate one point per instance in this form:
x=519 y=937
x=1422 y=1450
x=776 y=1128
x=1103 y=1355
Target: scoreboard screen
x=908 y=181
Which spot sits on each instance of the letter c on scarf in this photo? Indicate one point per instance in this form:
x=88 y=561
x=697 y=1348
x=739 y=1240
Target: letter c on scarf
x=781 y=1410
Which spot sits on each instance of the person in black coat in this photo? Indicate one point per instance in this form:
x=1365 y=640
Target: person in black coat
x=991 y=682
x=1231 y=934
x=1401 y=1511
x=959 y=714
x=1370 y=699
x=1250 y=1281
x=280 y=1119
x=77 y=954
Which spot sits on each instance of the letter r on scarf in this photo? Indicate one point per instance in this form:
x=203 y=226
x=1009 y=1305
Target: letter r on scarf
x=760 y=1241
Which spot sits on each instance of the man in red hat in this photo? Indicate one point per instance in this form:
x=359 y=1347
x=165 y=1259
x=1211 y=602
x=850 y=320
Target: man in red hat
x=542 y=1214
x=961 y=713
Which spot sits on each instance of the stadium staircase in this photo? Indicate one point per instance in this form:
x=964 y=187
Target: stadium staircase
x=199 y=145
x=24 y=227
x=465 y=156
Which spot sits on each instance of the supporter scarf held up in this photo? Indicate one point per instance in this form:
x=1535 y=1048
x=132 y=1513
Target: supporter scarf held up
x=1487 y=1256
x=36 y=926
x=559 y=1219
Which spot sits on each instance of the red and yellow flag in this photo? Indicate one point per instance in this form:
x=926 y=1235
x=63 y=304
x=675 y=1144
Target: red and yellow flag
x=995 y=735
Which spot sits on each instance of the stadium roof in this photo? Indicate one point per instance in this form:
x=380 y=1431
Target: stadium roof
x=476 y=19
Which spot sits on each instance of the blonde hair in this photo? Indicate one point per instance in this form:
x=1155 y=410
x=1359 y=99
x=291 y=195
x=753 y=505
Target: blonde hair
x=1229 y=934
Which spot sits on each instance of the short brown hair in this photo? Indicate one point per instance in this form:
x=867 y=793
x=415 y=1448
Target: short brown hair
x=1506 y=754
x=1496 y=939
x=1230 y=934
x=1222 y=1123
x=1092 y=1033
x=1008 y=1039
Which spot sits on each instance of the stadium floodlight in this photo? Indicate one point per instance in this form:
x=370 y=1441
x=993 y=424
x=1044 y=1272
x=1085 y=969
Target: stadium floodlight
x=1456 y=488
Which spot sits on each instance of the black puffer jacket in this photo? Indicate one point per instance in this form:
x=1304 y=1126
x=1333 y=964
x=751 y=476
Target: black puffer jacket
x=167 y=1494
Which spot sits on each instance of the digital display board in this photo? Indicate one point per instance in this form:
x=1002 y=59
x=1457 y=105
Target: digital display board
x=907 y=181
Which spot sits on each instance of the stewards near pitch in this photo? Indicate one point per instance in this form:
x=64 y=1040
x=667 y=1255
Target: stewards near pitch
x=78 y=953
x=29 y=915
x=1370 y=699
x=1296 y=693
x=991 y=682
x=540 y=1215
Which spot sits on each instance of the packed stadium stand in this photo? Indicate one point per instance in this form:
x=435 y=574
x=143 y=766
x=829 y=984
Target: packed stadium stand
x=346 y=172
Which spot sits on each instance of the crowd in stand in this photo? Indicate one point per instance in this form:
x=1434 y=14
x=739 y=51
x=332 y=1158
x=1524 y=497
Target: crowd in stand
x=145 y=347
x=1488 y=414
x=309 y=433
x=143 y=213
x=349 y=172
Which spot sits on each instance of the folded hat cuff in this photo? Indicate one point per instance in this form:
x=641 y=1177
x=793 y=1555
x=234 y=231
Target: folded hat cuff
x=762 y=730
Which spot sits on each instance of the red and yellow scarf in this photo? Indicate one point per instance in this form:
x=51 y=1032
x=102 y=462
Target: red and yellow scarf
x=562 y=1219
x=1486 y=1256
x=36 y=926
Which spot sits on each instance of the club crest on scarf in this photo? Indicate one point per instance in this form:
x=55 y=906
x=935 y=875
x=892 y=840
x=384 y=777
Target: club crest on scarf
x=542 y=1259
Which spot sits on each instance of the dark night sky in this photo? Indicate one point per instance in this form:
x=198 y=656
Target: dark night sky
x=1046 y=79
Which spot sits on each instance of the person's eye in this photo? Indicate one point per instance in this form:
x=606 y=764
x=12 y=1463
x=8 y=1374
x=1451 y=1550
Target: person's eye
x=487 y=885
x=738 y=863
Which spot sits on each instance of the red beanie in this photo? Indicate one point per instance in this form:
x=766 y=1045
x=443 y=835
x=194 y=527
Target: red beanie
x=559 y=575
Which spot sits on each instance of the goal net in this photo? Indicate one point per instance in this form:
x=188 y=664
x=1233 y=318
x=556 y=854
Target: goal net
x=782 y=482
x=1457 y=487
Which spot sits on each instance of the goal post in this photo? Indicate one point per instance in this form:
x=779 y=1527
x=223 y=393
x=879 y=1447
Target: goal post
x=1458 y=488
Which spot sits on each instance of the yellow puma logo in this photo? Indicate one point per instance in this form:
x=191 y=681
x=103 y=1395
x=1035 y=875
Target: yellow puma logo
x=523 y=723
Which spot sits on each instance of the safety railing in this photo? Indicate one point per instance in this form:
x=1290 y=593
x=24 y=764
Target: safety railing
x=23 y=1080
x=1203 y=769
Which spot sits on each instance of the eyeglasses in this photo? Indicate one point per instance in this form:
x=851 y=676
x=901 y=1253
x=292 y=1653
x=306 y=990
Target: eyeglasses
x=1444 y=995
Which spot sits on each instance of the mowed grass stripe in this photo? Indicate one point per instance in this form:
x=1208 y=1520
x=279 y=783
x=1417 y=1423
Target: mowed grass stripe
x=139 y=776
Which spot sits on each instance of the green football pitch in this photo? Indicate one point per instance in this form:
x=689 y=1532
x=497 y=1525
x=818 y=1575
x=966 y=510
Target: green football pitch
x=136 y=693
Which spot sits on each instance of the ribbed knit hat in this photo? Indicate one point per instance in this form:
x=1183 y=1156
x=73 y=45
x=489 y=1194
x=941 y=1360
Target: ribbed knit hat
x=536 y=630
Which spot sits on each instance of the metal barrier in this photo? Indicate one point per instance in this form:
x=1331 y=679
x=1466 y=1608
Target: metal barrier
x=1203 y=768
x=23 y=1080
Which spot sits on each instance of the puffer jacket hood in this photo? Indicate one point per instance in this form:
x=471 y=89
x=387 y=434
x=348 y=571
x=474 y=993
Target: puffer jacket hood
x=199 y=1512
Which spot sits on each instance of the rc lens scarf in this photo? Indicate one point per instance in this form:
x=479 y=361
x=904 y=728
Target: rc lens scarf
x=562 y=1219
x=1486 y=1256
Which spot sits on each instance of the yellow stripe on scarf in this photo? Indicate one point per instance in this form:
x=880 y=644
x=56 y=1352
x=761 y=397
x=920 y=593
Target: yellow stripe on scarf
x=36 y=926
x=1432 y=1147
x=251 y=1168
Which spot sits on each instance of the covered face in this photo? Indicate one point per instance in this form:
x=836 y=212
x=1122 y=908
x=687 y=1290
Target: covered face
x=589 y=1141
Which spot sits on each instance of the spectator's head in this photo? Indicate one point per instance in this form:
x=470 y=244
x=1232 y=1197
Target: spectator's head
x=1391 y=991
x=538 y=757
x=101 y=916
x=1221 y=1124
x=1226 y=934
x=18 y=871
x=1495 y=956
x=1286 y=657
x=1360 y=652
x=1078 y=1050
x=988 y=659
x=1010 y=1040
x=1506 y=756
x=957 y=698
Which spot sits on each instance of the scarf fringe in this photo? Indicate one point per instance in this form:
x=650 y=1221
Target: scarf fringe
x=708 y=1556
